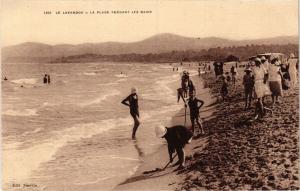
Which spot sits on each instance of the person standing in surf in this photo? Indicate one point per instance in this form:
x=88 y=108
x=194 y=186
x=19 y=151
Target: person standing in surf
x=45 y=79
x=132 y=102
x=48 y=79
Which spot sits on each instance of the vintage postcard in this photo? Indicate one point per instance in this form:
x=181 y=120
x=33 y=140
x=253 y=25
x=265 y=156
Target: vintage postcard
x=149 y=95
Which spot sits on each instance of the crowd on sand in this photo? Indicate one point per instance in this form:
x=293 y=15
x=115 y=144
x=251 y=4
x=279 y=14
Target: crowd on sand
x=251 y=146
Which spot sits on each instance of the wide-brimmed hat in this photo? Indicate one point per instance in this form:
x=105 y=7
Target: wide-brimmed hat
x=263 y=58
x=247 y=70
x=257 y=60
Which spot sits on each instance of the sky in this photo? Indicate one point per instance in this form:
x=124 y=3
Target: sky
x=25 y=20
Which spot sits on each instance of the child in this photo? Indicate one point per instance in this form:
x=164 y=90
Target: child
x=248 y=82
x=194 y=111
x=224 y=88
x=177 y=137
x=233 y=73
x=228 y=78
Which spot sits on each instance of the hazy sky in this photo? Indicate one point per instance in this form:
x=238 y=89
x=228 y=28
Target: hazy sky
x=24 y=20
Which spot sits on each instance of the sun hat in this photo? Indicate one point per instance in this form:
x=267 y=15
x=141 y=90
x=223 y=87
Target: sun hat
x=257 y=60
x=160 y=131
x=263 y=58
x=247 y=69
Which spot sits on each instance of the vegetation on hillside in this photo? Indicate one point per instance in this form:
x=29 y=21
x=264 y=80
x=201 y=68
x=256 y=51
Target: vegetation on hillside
x=219 y=54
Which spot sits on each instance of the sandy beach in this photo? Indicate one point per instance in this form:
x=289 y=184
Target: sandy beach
x=169 y=179
x=243 y=154
x=237 y=152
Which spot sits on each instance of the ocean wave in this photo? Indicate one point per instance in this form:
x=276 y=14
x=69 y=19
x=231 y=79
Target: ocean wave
x=32 y=132
x=89 y=73
x=121 y=76
x=93 y=182
x=61 y=75
x=30 y=81
x=60 y=82
x=44 y=152
x=100 y=99
x=47 y=104
x=25 y=112
x=131 y=172
x=107 y=84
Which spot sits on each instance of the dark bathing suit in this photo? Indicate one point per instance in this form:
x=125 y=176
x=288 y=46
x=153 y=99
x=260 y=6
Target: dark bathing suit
x=194 y=109
x=134 y=110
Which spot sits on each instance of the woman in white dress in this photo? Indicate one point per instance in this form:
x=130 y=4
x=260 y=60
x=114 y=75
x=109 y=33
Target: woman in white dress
x=259 y=87
x=275 y=79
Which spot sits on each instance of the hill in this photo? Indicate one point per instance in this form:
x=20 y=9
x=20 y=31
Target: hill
x=156 y=44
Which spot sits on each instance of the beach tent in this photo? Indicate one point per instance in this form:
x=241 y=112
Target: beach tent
x=281 y=56
x=232 y=58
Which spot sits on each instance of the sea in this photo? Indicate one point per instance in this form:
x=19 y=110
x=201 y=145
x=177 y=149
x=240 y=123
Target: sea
x=74 y=133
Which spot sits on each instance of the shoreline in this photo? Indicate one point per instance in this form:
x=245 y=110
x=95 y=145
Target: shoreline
x=167 y=179
x=237 y=152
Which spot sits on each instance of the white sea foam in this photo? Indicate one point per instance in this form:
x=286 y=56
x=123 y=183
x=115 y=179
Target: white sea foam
x=163 y=89
x=89 y=73
x=121 y=75
x=101 y=98
x=18 y=164
x=25 y=112
x=93 y=182
x=47 y=104
x=131 y=172
x=122 y=80
x=61 y=75
x=124 y=158
x=30 y=81
x=108 y=84
x=32 y=132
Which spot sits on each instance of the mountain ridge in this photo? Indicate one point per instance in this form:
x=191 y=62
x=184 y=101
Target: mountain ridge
x=159 y=43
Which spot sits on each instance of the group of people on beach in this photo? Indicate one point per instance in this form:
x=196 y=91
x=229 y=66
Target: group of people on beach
x=176 y=136
x=46 y=79
x=267 y=77
x=264 y=76
x=226 y=79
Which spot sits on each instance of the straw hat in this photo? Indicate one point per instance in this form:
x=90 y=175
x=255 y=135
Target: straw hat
x=160 y=131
